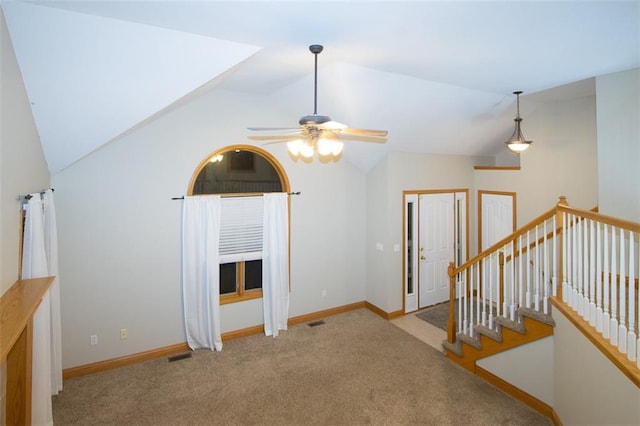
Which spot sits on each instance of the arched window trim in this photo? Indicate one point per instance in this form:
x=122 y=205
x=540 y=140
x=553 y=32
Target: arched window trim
x=243 y=295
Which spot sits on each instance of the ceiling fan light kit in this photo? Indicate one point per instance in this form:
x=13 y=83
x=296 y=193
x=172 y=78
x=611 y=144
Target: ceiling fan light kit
x=319 y=133
x=517 y=142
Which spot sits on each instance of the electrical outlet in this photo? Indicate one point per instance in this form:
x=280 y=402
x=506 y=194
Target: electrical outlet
x=324 y=292
x=94 y=339
x=124 y=333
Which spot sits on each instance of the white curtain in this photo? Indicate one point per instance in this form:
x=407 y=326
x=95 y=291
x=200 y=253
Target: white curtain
x=275 y=263
x=34 y=265
x=201 y=271
x=51 y=250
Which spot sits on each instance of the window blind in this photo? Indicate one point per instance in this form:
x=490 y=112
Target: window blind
x=240 y=229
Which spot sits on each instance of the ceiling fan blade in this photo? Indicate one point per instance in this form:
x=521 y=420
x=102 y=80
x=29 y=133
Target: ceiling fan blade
x=278 y=141
x=333 y=125
x=264 y=129
x=361 y=138
x=283 y=138
x=363 y=132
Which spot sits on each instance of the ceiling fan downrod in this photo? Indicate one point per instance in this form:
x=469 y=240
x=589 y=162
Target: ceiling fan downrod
x=316 y=49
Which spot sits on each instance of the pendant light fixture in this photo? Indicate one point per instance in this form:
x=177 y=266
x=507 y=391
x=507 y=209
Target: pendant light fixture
x=517 y=142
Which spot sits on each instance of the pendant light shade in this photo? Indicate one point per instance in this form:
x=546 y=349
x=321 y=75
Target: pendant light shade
x=517 y=142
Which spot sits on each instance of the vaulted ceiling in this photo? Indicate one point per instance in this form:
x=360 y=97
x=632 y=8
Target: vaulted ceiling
x=439 y=75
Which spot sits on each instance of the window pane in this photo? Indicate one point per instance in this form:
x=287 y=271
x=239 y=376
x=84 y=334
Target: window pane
x=228 y=278
x=237 y=171
x=253 y=274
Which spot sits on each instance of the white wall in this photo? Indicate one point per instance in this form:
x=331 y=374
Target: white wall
x=618 y=105
x=119 y=230
x=588 y=388
x=561 y=161
x=22 y=169
x=385 y=183
x=528 y=367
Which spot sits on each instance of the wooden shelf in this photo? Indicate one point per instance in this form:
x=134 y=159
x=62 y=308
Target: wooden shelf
x=17 y=307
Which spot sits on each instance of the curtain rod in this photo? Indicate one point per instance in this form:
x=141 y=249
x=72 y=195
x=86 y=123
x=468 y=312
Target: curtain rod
x=28 y=196
x=182 y=198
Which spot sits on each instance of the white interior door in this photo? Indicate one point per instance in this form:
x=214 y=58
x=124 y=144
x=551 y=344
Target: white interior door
x=436 y=247
x=497 y=220
x=496 y=217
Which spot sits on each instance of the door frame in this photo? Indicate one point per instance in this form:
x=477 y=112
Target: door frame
x=413 y=195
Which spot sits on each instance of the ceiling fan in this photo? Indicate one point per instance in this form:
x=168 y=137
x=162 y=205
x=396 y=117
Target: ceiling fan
x=318 y=132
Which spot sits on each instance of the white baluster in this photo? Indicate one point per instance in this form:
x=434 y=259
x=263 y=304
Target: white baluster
x=554 y=276
x=536 y=300
x=546 y=274
x=631 y=336
x=469 y=273
x=491 y=285
x=565 y=250
x=485 y=271
x=521 y=290
x=613 y=325
x=622 y=327
x=606 y=319
x=460 y=301
x=505 y=298
x=592 y=273
x=580 y=277
x=599 y=283
x=514 y=305
x=585 y=270
x=528 y=271
x=575 y=263
x=478 y=296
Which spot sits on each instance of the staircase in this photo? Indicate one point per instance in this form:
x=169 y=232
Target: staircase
x=530 y=325
x=583 y=263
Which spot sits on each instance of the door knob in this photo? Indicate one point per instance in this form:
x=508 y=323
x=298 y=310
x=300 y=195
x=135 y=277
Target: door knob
x=422 y=257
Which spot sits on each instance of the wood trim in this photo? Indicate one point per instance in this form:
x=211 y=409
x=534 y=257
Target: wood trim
x=18 y=304
x=535 y=330
x=325 y=313
x=620 y=360
x=555 y=418
x=109 y=364
x=533 y=402
x=609 y=220
x=17 y=307
x=516 y=168
x=386 y=315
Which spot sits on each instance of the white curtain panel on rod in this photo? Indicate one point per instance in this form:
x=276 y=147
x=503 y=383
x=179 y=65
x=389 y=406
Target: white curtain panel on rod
x=34 y=265
x=275 y=263
x=51 y=250
x=201 y=271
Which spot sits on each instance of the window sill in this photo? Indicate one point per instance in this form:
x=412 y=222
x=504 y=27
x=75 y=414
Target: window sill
x=234 y=298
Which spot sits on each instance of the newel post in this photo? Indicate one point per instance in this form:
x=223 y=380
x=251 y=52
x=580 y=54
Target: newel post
x=451 y=322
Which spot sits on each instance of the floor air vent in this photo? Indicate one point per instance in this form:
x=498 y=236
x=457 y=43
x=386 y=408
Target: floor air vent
x=315 y=323
x=179 y=357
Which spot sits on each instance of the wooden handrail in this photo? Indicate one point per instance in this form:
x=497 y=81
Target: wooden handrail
x=609 y=220
x=495 y=247
x=17 y=307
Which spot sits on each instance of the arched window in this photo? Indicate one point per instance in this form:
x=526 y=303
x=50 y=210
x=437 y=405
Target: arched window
x=243 y=173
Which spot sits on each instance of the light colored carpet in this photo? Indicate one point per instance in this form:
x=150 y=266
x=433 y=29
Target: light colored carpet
x=356 y=369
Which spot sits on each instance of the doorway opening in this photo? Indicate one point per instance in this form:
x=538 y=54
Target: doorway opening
x=435 y=233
